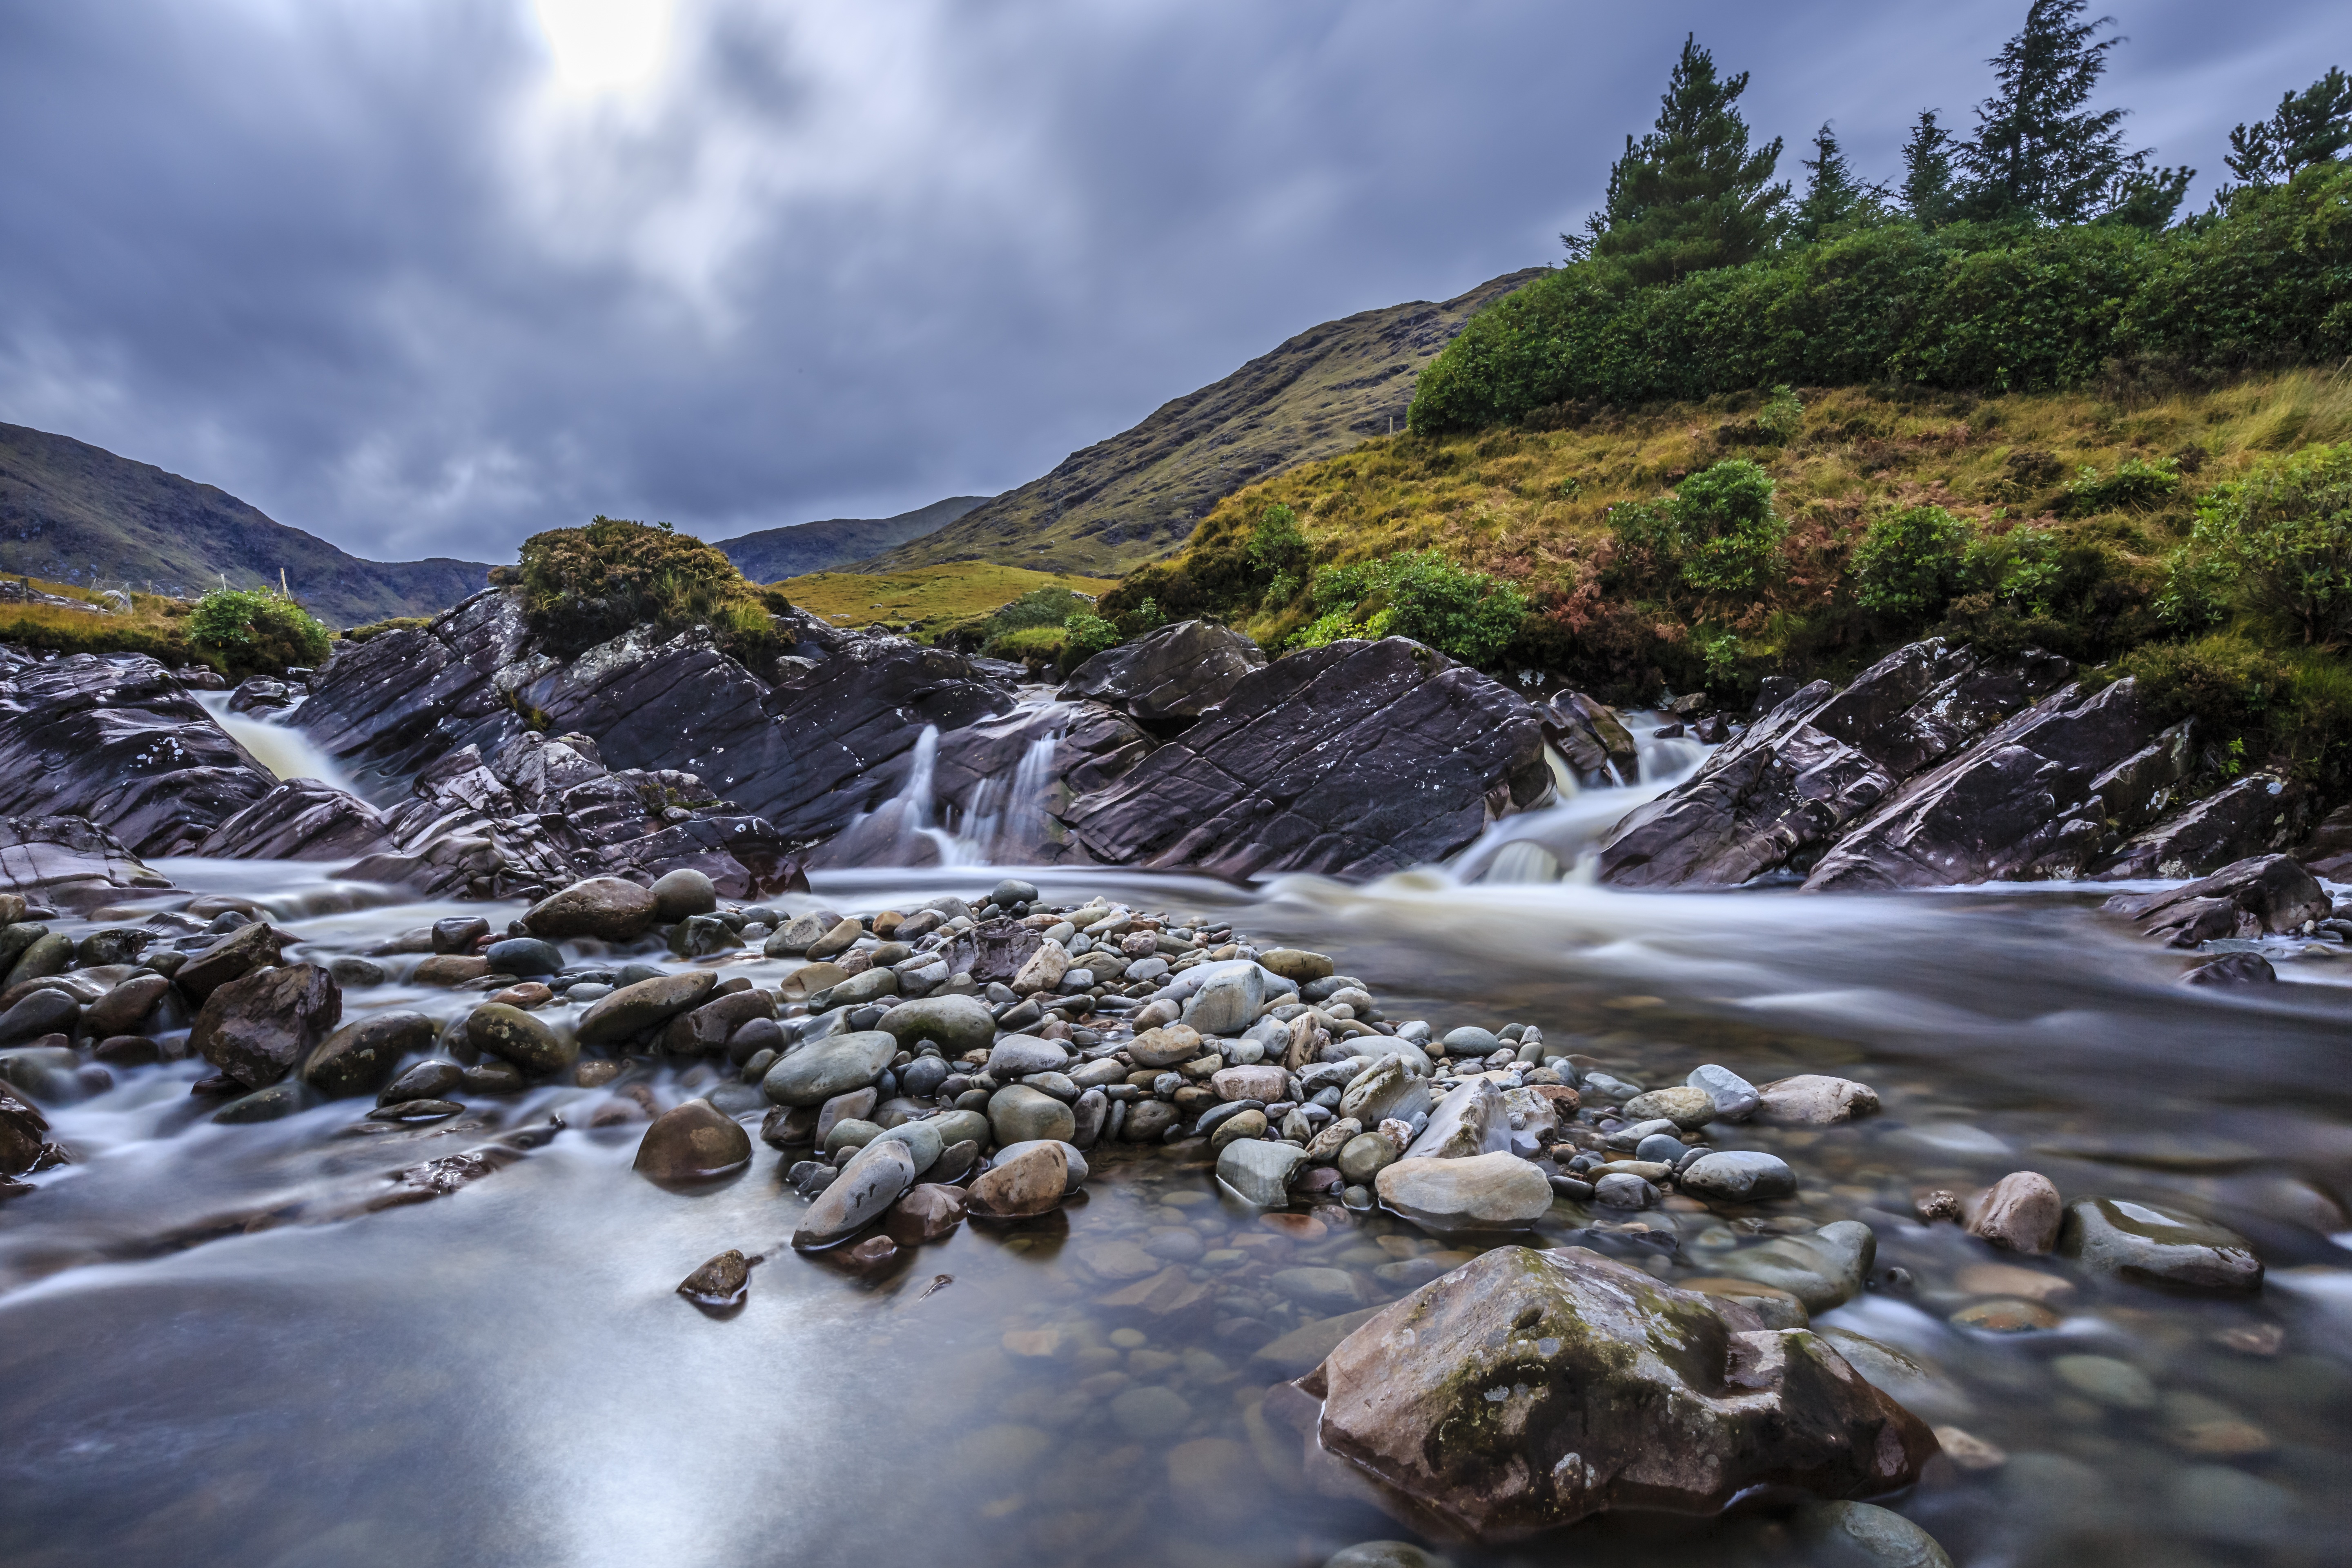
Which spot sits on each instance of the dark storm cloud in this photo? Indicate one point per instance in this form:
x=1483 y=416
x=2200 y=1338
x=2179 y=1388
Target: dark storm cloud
x=379 y=269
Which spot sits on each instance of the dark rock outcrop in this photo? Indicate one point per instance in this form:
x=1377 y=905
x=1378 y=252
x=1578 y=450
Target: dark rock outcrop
x=119 y=740
x=69 y=862
x=2268 y=893
x=1356 y=759
x=301 y=819
x=2259 y=814
x=1592 y=738
x=1168 y=679
x=1527 y=1390
x=1936 y=767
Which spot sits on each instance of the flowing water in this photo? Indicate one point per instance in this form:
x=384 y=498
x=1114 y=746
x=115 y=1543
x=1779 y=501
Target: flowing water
x=210 y=1353
x=287 y=753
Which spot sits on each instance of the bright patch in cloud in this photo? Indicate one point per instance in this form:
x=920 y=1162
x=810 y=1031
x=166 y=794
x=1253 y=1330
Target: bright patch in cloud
x=604 y=46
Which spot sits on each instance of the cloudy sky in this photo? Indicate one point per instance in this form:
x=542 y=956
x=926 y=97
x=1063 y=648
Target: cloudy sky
x=425 y=276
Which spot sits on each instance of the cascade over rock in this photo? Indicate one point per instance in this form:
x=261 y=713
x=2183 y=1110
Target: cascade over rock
x=1356 y=759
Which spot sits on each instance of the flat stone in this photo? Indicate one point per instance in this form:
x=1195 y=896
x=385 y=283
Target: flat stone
x=1479 y=1192
x=632 y=1009
x=1019 y=1114
x=514 y=1036
x=1018 y=1055
x=1033 y=1182
x=1168 y=1045
x=1387 y=1087
x=605 y=907
x=837 y=1064
x=241 y=952
x=1296 y=964
x=1810 y=1099
x=1686 y=1107
x=1868 y=1536
x=721 y=1282
x=1737 y=1177
x=1318 y=1290
x=866 y=1186
x=958 y=1024
x=1228 y=998
x=358 y=1058
x=2152 y=1246
x=1259 y=1170
x=1075 y=1160
x=694 y=1142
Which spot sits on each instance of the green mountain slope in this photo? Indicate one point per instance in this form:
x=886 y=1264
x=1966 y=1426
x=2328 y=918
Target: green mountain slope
x=1138 y=495
x=77 y=514
x=777 y=552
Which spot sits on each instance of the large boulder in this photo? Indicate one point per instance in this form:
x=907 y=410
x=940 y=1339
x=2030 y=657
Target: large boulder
x=1592 y=738
x=257 y=1029
x=70 y=862
x=2259 y=814
x=301 y=819
x=606 y=907
x=1527 y=1390
x=1167 y=680
x=2269 y=893
x=1356 y=759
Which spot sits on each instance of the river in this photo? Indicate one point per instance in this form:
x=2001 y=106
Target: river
x=202 y=1361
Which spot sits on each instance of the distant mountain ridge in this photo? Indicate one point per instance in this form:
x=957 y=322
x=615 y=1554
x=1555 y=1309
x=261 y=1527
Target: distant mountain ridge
x=1138 y=495
x=72 y=512
x=775 y=553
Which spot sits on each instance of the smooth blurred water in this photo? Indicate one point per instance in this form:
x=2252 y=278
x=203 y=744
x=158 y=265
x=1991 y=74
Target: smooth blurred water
x=207 y=1355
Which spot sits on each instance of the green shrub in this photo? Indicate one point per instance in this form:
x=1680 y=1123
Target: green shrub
x=588 y=585
x=1782 y=417
x=390 y=623
x=254 y=631
x=1084 y=634
x=1463 y=614
x=2021 y=568
x=2289 y=708
x=2134 y=485
x=1718 y=535
x=1275 y=545
x=2279 y=543
x=1911 y=563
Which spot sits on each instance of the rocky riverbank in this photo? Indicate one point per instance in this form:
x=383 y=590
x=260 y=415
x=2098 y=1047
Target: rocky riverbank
x=1382 y=1220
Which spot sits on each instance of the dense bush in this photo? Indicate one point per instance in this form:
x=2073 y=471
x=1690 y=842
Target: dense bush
x=2289 y=708
x=2277 y=544
x=1463 y=614
x=1718 y=533
x=1968 y=306
x=1912 y=563
x=254 y=631
x=587 y=585
x=1084 y=634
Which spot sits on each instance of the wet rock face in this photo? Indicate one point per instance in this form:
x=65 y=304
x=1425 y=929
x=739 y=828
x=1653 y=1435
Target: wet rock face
x=2259 y=813
x=2150 y=1246
x=69 y=862
x=1592 y=738
x=1355 y=759
x=119 y=740
x=1168 y=679
x=1527 y=1390
x=301 y=819
x=2268 y=893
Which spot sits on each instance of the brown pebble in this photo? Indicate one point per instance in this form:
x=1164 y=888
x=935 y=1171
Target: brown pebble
x=596 y=1073
x=924 y=1213
x=2006 y=1317
x=721 y=1282
x=875 y=1252
x=529 y=994
x=1938 y=1204
x=2020 y=1212
x=1297 y=1227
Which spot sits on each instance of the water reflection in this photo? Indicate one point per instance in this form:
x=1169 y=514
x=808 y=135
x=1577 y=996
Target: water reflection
x=203 y=1364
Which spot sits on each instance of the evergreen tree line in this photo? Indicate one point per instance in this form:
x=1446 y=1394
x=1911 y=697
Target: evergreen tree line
x=2036 y=252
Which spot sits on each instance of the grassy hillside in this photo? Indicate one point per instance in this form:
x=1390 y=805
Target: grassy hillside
x=807 y=547
x=76 y=513
x=2089 y=497
x=1138 y=495
x=924 y=599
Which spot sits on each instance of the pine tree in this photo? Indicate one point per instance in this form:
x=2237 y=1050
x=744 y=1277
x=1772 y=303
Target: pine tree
x=2313 y=126
x=1927 y=158
x=1832 y=194
x=2039 y=153
x=1690 y=195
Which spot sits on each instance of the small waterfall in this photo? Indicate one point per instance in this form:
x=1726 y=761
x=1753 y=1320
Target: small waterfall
x=1002 y=818
x=285 y=751
x=1553 y=845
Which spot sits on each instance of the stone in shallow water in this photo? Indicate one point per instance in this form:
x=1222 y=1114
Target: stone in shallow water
x=1567 y=1383
x=864 y=1188
x=2001 y=1316
x=1032 y=1183
x=1385 y=1554
x=1258 y=1170
x=1686 y=1107
x=1863 y=1535
x=256 y=1027
x=2021 y=1212
x=1471 y=1119
x=641 y=1004
x=606 y=907
x=1737 y=1177
x=1812 y=1099
x=1823 y=1269
x=720 y=1283
x=1387 y=1087
x=359 y=1057
x=1019 y=1114
x=2118 y=1385
x=1734 y=1098
x=693 y=1142
x=925 y=1212
x=1482 y=1191
x=516 y=1037
x=2152 y=1246
x=835 y=1065
x=958 y=1023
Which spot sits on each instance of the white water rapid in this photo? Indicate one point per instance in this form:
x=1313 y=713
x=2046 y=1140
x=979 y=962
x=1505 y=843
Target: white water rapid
x=285 y=751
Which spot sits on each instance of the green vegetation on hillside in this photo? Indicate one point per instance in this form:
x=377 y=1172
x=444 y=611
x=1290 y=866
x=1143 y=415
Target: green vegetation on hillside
x=587 y=585
x=959 y=604
x=254 y=631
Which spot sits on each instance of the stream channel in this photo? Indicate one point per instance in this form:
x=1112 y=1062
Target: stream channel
x=207 y=1355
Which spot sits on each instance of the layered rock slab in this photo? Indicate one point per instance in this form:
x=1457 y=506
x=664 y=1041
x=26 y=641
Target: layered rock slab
x=1527 y=1390
x=1355 y=759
